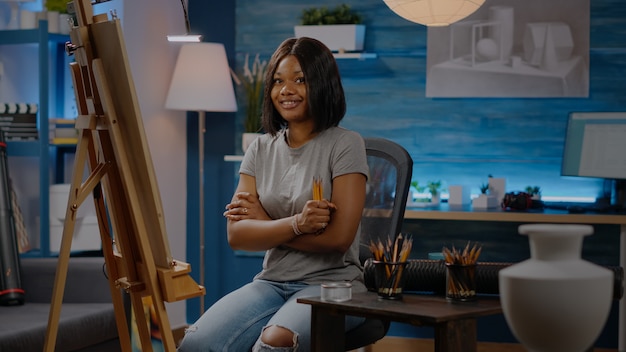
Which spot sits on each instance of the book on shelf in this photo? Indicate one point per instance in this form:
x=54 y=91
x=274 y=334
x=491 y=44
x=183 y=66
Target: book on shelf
x=63 y=128
x=63 y=123
x=64 y=140
x=17 y=122
x=18 y=118
x=18 y=128
x=20 y=138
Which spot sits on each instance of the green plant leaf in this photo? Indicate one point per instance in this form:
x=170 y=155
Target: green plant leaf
x=56 y=5
x=342 y=14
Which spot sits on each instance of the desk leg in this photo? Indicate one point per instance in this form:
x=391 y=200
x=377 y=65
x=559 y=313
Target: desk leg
x=456 y=336
x=621 y=343
x=327 y=331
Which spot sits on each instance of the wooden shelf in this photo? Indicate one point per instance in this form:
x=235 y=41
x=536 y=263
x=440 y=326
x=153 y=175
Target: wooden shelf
x=233 y=158
x=359 y=56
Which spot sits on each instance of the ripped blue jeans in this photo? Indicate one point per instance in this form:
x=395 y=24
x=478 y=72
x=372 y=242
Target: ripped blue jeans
x=235 y=322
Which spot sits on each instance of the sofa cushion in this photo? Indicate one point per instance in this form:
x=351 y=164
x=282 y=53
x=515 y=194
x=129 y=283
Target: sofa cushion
x=86 y=281
x=80 y=325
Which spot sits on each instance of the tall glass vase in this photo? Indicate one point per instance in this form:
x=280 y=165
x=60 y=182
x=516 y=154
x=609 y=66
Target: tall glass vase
x=556 y=301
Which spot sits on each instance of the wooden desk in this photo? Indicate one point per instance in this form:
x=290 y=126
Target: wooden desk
x=445 y=212
x=454 y=323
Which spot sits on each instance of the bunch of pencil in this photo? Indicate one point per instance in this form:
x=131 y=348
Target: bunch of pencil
x=469 y=255
x=461 y=281
x=318 y=188
x=392 y=255
x=394 y=251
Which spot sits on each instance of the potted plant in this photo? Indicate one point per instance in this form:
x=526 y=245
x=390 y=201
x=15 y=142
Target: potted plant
x=251 y=83
x=340 y=29
x=433 y=188
x=59 y=6
x=57 y=16
x=484 y=188
x=485 y=200
x=534 y=192
x=414 y=190
x=418 y=196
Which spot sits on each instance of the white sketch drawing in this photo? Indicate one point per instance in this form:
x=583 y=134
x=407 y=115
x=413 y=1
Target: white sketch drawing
x=512 y=49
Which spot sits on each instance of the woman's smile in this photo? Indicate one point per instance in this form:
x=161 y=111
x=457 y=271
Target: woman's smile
x=290 y=104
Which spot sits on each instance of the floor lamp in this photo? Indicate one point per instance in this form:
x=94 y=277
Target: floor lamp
x=201 y=82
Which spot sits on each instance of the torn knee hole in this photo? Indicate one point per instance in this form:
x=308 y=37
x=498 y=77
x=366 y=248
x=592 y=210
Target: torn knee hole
x=278 y=336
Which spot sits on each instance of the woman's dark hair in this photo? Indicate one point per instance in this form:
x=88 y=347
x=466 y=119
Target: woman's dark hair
x=326 y=99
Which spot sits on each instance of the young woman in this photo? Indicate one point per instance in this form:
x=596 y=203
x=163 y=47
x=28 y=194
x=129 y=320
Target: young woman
x=307 y=241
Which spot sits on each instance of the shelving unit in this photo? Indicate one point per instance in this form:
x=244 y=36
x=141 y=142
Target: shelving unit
x=51 y=49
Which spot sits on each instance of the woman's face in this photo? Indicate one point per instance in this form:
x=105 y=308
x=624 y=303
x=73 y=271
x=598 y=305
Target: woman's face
x=289 y=94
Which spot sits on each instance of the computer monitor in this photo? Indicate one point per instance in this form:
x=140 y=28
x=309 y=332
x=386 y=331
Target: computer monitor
x=595 y=146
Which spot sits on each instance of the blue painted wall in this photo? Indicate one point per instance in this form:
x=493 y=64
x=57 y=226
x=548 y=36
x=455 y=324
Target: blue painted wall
x=215 y=21
x=459 y=141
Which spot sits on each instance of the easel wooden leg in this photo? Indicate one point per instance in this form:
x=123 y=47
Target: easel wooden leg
x=141 y=321
x=109 y=257
x=77 y=195
x=59 y=287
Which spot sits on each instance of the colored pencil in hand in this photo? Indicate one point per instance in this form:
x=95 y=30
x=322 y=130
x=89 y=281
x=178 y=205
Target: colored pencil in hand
x=318 y=189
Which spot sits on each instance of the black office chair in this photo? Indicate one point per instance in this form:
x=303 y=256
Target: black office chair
x=391 y=168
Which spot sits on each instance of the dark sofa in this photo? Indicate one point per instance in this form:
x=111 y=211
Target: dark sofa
x=87 y=320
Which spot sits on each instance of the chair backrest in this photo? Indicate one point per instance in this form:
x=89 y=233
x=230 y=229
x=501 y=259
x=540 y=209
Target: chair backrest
x=391 y=168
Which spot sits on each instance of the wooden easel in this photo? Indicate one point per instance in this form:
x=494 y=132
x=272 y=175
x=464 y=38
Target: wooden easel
x=113 y=146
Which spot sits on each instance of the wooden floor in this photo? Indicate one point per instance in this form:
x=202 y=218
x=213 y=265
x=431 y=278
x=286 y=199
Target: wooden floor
x=403 y=344
x=398 y=344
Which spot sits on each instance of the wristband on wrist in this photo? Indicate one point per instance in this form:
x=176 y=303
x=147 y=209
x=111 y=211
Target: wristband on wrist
x=294 y=226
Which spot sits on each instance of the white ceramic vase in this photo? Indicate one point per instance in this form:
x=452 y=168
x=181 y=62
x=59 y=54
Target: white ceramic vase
x=556 y=301
x=53 y=21
x=64 y=23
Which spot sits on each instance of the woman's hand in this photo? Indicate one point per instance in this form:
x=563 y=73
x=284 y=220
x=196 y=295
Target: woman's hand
x=315 y=216
x=245 y=206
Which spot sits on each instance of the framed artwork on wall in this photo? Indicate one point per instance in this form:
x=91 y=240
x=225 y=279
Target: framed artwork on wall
x=512 y=49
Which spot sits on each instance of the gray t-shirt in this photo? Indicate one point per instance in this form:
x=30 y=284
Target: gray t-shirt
x=284 y=178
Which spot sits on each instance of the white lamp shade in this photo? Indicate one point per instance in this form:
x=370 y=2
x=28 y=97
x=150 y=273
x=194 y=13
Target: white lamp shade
x=434 y=12
x=201 y=80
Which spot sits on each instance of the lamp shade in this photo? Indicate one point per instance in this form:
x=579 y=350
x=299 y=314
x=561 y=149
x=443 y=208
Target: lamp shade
x=434 y=12
x=201 y=80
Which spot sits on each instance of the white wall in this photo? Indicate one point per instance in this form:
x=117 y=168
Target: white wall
x=152 y=59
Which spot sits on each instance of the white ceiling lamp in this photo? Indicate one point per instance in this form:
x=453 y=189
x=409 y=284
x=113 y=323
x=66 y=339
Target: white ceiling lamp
x=434 y=13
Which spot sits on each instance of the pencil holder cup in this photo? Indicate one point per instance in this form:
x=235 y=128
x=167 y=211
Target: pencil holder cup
x=389 y=278
x=461 y=282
